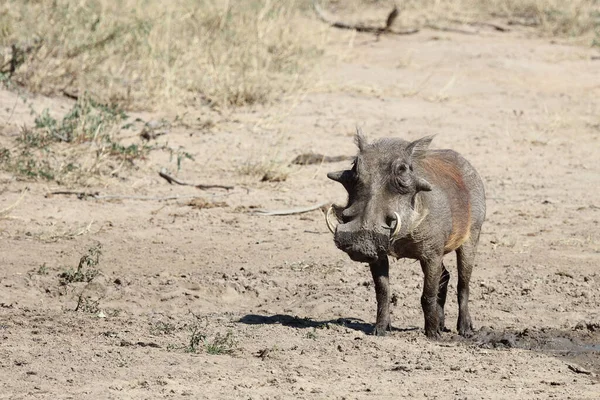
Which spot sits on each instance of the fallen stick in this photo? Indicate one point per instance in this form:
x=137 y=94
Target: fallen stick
x=450 y=29
x=151 y=198
x=171 y=180
x=378 y=30
x=79 y=194
x=494 y=25
x=290 y=211
x=98 y=196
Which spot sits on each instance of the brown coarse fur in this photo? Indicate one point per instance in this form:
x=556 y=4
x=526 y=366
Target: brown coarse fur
x=444 y=173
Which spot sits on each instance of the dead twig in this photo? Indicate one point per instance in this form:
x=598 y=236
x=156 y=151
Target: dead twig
x=450 y=29
x=496 y=26
x=290 y=211
x=171 y=180
x=151 y=198
x=378 y=30
x=80 y=195
x=579 y=370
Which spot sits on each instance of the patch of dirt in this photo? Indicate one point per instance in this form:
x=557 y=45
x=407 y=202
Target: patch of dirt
x=578 y=345
x=222 y=302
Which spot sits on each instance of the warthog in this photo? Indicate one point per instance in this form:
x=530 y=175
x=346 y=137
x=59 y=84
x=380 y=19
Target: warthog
x=407 y=201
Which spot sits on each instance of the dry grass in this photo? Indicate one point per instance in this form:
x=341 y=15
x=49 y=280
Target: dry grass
x=149 y=53
x=5 y=212
x=136 y=54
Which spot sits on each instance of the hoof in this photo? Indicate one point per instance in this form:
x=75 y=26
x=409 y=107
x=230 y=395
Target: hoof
x=467 y=333
x=465 y=328
x=381 y=330
x=434 y=334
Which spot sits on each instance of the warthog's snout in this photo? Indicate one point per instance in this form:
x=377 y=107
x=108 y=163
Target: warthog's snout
x=361 y=245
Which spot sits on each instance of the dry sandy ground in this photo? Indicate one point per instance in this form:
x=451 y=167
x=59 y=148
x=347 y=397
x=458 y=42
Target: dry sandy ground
x=297 y=311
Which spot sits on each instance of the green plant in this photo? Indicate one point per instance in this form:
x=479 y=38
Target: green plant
x=221 y=344
x=181 y=155
x=196 y=338
x=312 y=334
x=42 y=270
x=86 y=271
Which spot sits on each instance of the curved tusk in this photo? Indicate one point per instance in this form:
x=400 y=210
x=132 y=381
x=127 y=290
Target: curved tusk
x=327 y=219
x=397 y=227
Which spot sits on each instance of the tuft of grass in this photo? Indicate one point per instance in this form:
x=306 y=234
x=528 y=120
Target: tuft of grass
x=86 y=270
x=196 y=339
x=150 y=53
x=312 y=334
x=42 y=270
x=162 y=328
x=221 y=344
x=84 y=144
x=180 y=154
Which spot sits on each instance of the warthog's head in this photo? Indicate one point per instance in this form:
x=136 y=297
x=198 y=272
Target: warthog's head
x=382 y=186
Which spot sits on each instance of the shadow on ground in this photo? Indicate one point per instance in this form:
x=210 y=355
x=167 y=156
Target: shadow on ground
x=580 y=346
x=296 y=322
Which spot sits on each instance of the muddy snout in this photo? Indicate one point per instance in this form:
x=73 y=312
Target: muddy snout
x=361 y=245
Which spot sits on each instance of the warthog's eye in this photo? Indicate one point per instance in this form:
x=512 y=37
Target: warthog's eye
x=401 y=168
x=401 y=177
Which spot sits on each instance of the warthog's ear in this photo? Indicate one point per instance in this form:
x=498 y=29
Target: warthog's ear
x=422 y=185
x=339 y=176
x=417 y=148
x=360 y=139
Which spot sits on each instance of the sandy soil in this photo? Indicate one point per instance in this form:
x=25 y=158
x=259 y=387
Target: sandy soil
x=289 y=314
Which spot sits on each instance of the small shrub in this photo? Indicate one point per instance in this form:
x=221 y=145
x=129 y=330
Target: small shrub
x=86 y=271
x=221 y=344
x=162 y=328
x=42 y=270
x=196 y=338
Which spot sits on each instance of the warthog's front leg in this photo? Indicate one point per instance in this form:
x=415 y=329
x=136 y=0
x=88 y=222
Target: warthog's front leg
x=432 y=269
x=380 y=271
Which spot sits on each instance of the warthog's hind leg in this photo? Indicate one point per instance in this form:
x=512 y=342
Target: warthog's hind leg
x=441 y=297
x=465 y=259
